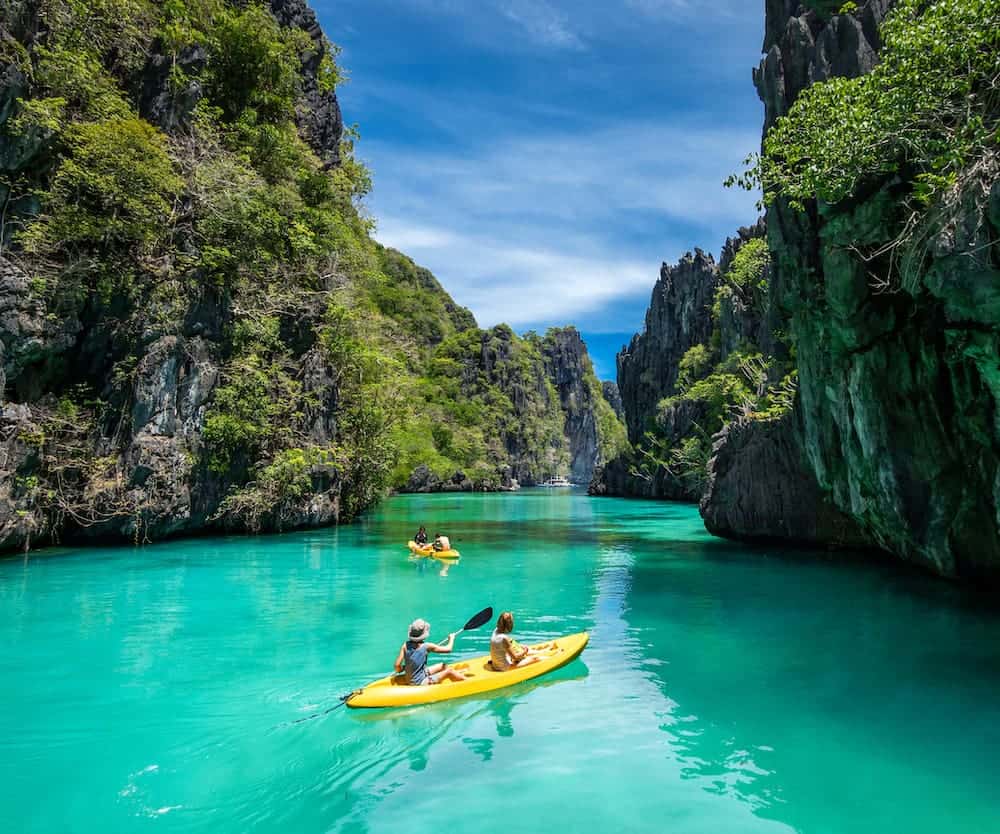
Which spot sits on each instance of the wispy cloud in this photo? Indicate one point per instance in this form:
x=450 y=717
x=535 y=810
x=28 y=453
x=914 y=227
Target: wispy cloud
x=543 y=157
x=561 y=227
x=685 y=9
x=502 y=281
x=542 y=22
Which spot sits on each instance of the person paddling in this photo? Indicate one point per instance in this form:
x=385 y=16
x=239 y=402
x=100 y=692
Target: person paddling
x=421 y=537
x=412 y=658
x=441 y=542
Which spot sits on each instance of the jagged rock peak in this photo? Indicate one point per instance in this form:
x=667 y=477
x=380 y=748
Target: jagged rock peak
x=568 y=366
x=679 y=317
x=802 y=47
x=317 y=113
x=743 y=236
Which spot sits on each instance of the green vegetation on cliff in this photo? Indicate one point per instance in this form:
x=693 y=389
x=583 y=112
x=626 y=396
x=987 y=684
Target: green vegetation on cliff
x=176 y=185
x=716 y=386
x=927 y=111
x=135 y=227
x=485 y=407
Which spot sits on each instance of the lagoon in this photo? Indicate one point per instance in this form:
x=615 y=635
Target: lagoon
x=725 y=689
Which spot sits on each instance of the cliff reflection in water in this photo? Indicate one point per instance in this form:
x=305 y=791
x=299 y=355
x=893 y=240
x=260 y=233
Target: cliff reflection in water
x=781 y=673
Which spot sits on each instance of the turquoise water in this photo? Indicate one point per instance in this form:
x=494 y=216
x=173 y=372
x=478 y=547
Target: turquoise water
x=724 y=690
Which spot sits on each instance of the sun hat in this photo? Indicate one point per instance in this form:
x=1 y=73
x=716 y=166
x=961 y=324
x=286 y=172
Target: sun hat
x=419 y=629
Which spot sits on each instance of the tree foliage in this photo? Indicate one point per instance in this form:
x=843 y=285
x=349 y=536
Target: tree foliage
x=927 y=111
x=232 y=211
x=115 y=189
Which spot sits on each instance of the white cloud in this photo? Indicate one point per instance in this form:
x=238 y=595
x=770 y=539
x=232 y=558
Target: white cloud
x=560 y=227
x=522 y=286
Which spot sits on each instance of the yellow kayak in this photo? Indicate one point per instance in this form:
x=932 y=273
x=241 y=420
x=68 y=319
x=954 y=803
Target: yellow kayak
x=428 y=550
x=480 y=677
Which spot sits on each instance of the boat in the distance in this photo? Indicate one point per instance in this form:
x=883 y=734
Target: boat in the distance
x=557 y=482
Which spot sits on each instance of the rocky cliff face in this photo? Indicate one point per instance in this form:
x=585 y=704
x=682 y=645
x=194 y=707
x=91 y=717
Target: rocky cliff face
x=170 y=105
x=747 y=318
x=318 y=111
x=898 y=378
x=761 y=487
x=569 y=369
x=196 y=375
x=533 y=402
x=505 y=377
x=630 y=475
x=677 y=319
x=613 y=397
x=687 y=311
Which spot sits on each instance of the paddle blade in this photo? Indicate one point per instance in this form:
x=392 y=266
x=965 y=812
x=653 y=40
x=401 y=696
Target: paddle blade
x=483 y=616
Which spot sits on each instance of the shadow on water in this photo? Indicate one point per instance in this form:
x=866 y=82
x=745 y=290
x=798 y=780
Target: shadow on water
x=429 y=725
x=434 y=564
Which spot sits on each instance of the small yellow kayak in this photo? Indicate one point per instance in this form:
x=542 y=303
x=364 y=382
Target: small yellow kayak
x=480 y=677
x=428 y=550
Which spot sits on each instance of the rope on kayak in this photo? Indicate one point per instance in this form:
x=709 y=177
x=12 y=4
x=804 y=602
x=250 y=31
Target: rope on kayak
x=341 y=701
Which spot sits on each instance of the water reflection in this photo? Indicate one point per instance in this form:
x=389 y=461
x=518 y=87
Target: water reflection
x=428 y=726
x=429 y=564
x=728 y=689
x=788 y=697
x=695 y=746
x=499 y=703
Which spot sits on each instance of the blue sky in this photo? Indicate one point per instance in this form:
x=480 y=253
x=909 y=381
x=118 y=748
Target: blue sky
x=543 y=157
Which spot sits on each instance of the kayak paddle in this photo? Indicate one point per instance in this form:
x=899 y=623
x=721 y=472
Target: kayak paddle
x=475 y=622
x=482 y=617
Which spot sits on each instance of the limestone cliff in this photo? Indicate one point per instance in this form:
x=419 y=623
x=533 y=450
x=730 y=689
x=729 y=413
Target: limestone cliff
x=196 y=330
x=701 y=319
x=898 y=378
x=570 y=371
x=677 y=319
x=884 y=434
x=609 y=388
x=533 y=403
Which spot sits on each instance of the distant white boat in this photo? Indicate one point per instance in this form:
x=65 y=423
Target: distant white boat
x=557 y=482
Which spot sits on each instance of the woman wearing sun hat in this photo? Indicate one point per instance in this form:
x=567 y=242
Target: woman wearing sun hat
x=412 y=658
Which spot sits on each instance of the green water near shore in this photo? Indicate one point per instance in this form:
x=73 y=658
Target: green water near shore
x=724 y=690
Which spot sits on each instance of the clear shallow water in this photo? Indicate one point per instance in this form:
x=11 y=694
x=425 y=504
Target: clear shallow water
x=724 y=689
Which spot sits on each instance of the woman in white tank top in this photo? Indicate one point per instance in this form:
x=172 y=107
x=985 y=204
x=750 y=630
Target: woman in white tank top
x=505 y=653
